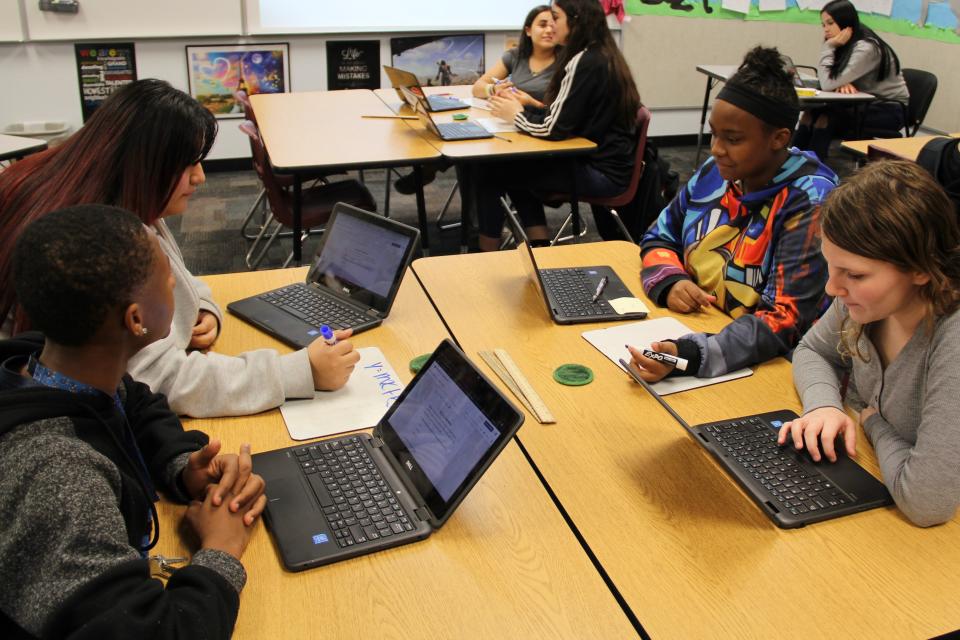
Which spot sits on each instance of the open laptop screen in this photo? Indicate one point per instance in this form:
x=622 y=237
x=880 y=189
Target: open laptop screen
x=525 y=251
x=361 y=259
x=447 y=428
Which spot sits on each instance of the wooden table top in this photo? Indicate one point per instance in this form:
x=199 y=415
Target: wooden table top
x=723 y=72
x=320 y=129
x=906 y=148
x=689 y=552
x=520 y=144
x=505 y=565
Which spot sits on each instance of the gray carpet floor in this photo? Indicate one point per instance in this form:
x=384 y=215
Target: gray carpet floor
x=211 y=241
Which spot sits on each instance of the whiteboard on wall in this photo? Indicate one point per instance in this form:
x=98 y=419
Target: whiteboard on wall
x=10 y=30
x=383 y=16
x=106 y=19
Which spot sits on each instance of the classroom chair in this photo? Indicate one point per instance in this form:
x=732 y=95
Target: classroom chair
x=259 y=204
x=610 y=204
x=317 y=201
x=922 y=86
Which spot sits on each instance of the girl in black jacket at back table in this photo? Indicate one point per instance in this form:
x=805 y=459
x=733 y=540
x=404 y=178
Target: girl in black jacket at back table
x=592 y=95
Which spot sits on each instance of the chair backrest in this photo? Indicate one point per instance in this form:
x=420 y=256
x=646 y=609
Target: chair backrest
x=922 y=86
x=244 y=100
x=643 y=124
x=276 y=196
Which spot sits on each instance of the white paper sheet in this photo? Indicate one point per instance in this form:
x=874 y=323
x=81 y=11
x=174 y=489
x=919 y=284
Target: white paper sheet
x=773 y=5
x=479 y=103
x=740 y=6
x=610 y=342
x=628 y=305
x=496 y=125
x=361 y=403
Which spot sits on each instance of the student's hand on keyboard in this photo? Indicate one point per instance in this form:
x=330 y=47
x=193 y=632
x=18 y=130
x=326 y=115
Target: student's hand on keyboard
x=686 y=297
x=820 y=428
x=332 y=365
x=231 y=474
x=648 y=369
x=219 y=528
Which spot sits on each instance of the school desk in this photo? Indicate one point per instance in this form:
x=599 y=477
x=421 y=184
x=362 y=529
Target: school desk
x=507 y=146
x=16 y=147
x=904 y=148
x=504 y=566
x=717 y=73
x=690 y=553
x=316 y=130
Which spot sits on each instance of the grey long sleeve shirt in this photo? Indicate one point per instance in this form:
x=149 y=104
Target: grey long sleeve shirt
x=861 y=72
x=211 y=384
x=916 y=430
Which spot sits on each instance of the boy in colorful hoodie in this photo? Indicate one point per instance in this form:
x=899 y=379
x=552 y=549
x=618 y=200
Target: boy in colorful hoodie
x=743 y=235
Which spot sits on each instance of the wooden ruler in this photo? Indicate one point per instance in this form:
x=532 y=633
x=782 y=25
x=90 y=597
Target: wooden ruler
x=508 y=371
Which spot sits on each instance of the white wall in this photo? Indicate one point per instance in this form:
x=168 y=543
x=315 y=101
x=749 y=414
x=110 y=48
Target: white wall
x=40 y=78
x=664 y=51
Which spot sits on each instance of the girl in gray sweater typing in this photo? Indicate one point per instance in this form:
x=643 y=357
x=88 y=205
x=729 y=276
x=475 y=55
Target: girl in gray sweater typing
x=891 y=337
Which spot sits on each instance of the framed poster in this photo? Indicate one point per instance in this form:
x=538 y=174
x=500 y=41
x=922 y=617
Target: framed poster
x=215 y=72
x=440 y=60
x=353 y=64
x=101 y=69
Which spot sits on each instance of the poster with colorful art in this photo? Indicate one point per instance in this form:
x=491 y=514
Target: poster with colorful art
x=440 y=60
x=215 y=72
x=102 y=69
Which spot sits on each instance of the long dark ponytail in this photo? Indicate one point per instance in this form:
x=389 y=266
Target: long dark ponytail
x=845 y=15
x=588 y=29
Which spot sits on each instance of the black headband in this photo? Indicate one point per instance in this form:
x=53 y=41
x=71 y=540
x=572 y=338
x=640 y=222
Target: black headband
x=771 y=111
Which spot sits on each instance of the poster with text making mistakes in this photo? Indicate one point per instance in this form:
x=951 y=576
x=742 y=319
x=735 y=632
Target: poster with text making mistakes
x=353 y=64
x=102 y=69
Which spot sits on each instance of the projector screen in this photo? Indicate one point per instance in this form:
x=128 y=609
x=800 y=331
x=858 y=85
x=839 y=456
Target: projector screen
x=379 y=16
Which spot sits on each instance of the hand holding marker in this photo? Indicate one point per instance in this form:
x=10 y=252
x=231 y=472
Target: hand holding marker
x=327 y=334
x=665 y=358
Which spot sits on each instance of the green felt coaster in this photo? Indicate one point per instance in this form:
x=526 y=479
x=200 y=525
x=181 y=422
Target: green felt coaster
x=417 y=363
x=573 y=375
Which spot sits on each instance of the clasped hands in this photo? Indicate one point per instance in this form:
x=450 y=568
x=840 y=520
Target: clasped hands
x=229 y=476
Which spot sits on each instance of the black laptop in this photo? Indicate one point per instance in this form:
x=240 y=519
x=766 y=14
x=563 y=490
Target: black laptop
x=569 y=293
x=354 y=495
x=407 y=84
x=352 y=284
x=786 y=484
x=798 y=79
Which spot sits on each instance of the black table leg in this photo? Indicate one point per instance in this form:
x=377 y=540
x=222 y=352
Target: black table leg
x=422 y=210
x=703 y=120
x=297 y=220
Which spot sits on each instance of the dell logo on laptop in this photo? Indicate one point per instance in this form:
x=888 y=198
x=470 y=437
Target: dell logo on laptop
x=409 y=465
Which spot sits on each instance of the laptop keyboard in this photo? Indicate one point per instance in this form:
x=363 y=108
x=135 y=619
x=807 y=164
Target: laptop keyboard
x=572 y=291
x=791 y=478
x=462 y=131
x=313 y=308
x=355 y=499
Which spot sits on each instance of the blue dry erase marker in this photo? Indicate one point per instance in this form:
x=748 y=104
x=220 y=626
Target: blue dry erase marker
x=327 y=334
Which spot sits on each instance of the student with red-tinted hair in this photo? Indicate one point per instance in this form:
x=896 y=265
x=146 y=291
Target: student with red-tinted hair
x=141 y=150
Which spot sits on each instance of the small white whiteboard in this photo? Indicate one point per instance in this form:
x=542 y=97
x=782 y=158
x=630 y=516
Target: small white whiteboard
x=610 y=342
x=372 y=388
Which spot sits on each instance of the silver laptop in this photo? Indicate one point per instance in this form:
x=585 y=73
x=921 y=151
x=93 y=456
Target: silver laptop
x=407 y=85
x=354 y=495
